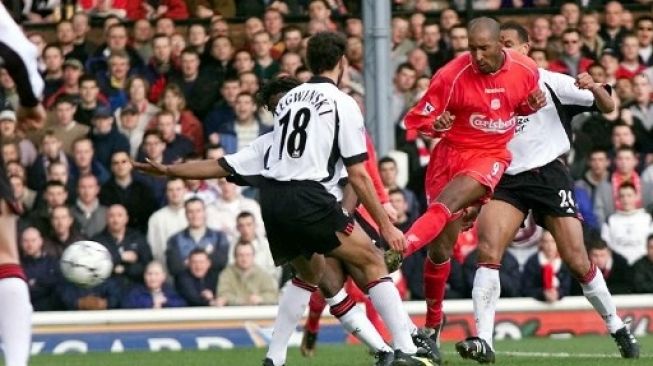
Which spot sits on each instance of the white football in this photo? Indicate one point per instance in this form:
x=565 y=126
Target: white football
x=86 y=263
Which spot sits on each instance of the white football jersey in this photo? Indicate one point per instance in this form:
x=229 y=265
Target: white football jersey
x=543 y=136
x=318 y=130
x=24 y=68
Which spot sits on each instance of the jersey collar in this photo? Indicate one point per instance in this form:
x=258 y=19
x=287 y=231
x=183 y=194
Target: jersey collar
x=320 y=79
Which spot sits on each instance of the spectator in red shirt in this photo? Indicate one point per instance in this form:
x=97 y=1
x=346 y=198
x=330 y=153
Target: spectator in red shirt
x=629 y=65
x=103 y=8
x=160 y=67
x=273 y=23
x=571 y=61
x=173 y=101
x=145 y=9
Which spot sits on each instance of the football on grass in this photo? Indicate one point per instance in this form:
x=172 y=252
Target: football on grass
x=86 y=263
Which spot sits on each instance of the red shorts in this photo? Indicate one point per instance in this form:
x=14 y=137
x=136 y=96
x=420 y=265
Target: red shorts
x=448 y=162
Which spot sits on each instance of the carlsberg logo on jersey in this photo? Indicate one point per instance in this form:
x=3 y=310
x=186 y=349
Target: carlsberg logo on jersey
x=481 y=122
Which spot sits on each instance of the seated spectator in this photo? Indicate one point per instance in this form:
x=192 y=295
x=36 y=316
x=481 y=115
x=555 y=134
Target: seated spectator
x=589 y=29
x=128 y=247
x=155 y=293
x=164 y=25
x=643 y=270
x=198 y=37
x=247 y=228
x=606 y=200
x=153 y=149
x=177 y=44
x=597 y=172
x=24 y=195
x=114 y=83
x=644 y=31
x=398 y=202
x=83 y=47
x=244 y=128
x=63 y=231
x=84 y=162
x=509 y=275
x=72 y=72
x=117 y=42
x=9 y=133
x=223 y=213
x=292 y=38
x=320 y=11
x=106 y=8
x=198 y=283
x=51 y=151
x=40 y=12
x=219 y=27
x=249 y=82
x=388 y=172
x=142 y=38
x=53 y=74
x=55 y=195
x=66 y=128
x=642 y=111
x=168 y=220
x=627 y=230
x=624 y=90
x=107 y=141
x=243 y=61
x=196 y=235
x=104 y=296
x=217 y=59
x=185 y=121
x=199 y=89
x=148 y=9
x=161 y=67
x=41 y=269
x=128 y=125
x=89 y=214
x=545 y=277
x=630 y=63
x=273 y=24
x=124 y=190
x=178 y=146
x=137 y=88
x=571 y=61
x=59 y=171
x=90 y=99
x=265 y=65
x=615 y=269
x=244 y=282
x=222 y=111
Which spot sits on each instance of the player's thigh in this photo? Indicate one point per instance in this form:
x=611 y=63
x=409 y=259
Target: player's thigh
x=8 y=236
x=310 y=270
x=333 y=278
x=497 y=224
x=568 y=234
x=356 y=250
x=441 y=249
x=358 y=275
x=461 y=192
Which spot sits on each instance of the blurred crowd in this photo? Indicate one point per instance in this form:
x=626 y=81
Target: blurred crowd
x=153 y=89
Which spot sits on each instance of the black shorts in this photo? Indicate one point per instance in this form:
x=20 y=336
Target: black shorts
x=301 y=218
x=547 y=191
x=373 y=233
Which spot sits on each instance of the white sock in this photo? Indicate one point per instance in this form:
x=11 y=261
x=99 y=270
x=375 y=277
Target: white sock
x=485 y=295
x=355 y=321
x=15 y=321
x=597 y=293
x=292 y=304
x=386 y=300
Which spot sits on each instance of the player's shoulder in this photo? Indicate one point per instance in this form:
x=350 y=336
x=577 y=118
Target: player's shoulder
x=522 y=61
x=555 y=78
x=455 y=67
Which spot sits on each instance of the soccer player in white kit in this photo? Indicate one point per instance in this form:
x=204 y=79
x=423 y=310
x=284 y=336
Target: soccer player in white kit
x=538 y=180
x=19 y=57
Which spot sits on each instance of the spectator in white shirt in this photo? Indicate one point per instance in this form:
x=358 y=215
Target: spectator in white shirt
x=246 y=225
x=222 y=214
x=627 y=229
x=168 y=220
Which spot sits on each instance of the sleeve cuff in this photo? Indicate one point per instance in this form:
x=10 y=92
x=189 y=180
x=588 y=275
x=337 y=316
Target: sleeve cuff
x=226 y=166
x=360 y=158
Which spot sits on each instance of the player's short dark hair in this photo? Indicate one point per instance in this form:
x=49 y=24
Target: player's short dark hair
x=387 y=159
x=244 y=214
x=522 y=33
x=274 y=87
x=324 y=51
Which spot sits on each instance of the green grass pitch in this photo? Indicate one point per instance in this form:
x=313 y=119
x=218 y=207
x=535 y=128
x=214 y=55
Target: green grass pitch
x=589 y=350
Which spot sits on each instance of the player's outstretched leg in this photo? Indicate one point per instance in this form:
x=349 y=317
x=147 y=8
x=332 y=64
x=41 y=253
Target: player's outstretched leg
x=568 y=234
x=15 y=306
x=316 y=306
x=497 y=224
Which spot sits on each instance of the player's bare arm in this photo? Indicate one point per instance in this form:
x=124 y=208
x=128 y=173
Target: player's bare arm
x=202 y=169
x=362 y=184
x=604 y=101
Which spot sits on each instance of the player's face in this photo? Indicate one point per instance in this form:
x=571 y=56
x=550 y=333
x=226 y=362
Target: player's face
x=510 y=39
x=486 y=51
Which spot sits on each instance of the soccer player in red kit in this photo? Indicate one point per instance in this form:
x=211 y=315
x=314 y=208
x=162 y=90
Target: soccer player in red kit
x=472 y=103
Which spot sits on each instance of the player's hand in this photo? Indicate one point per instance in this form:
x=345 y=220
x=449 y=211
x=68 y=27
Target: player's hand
x=31 y=118
x=444 y=122
x=584 y=81
x=394 y=237
x=391 y=212
x=536 y=99
x=151 y=167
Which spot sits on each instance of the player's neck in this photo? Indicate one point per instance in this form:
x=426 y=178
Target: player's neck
x=331 y=75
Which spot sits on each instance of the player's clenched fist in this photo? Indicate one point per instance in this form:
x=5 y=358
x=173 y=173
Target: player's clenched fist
x=585 y=81
x=444 y=122
x=394 y=237
x=536 y=99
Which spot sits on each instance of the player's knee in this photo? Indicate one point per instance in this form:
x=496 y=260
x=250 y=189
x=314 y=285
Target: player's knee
x=439 y=253
x=488 y=252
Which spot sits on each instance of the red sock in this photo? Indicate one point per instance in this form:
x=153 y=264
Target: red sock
x=427 y=227
x=435 y=281
x=315 y=308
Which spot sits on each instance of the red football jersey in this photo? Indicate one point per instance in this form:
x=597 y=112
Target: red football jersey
x=485 y=106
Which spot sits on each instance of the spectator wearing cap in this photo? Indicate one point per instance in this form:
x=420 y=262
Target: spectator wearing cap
x=571 y=62
x=105 y=136
x=72 y=72
x=150 y=9
x=89 y=99
x=196 y=235
x=65 y=127
x=8 y=132
x=126 y=190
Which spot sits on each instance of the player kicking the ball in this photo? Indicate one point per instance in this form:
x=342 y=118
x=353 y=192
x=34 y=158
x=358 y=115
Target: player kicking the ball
x=472 y=103
x=18 y=56
x=537 y=180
